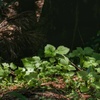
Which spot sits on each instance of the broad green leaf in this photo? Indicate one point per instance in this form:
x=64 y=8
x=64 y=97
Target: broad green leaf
x=49 y=51
x=69 y=74
x=82 y=74
x=36 y=59
x=1 y=72
x=84 y=88
x=88 y=51
x=45 y=63
x=58 y=67
x=34 y=82
x=62 y=50
x=80 y=51
x=50 y=72
x=6 y=70
x=96 y=85
x=29 y=70
x=52 y=60
x=94 y=75
x=74 y=53
x=98 y=62
x=90 y=62
x=71 y=55
x=97 y=69
x=90 y=69
x=27 y=63
x=71 y=68
x=67 y=81
x=77 y=53
x=30 y=76
x=41 y=75
x=87 y=64
x=12 y=66
x=64 y=61
x=74 y=95
x=37 y=65
x=20 y=72
x=5 y=64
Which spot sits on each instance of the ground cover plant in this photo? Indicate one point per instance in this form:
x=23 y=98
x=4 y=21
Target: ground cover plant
x=56 y=75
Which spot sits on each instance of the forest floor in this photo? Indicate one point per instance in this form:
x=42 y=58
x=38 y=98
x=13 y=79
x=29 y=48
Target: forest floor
x=54 y=91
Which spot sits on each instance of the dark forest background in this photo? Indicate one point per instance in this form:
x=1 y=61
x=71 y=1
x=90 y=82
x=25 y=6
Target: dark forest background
x=75 y=22
x=71 y=23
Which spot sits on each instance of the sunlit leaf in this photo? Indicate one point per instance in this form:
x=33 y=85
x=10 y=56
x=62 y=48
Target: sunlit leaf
x=64 y=61
x=36 y=59
x=52 y=60
x=97 y=69
x=69 y=74
x=49 y=51
x=90 y=62
x=62 y=50
x=5 y=64
x=13 y=66
x=27 y=63
x=84 y=88
x=71 y=68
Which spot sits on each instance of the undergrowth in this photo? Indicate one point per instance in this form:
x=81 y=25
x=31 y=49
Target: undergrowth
x=79 y=69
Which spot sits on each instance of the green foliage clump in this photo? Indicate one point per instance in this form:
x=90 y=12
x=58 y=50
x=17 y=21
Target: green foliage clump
x=79 y=69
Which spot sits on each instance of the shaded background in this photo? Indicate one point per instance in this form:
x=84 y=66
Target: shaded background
x=74 y=22
x=71 y=23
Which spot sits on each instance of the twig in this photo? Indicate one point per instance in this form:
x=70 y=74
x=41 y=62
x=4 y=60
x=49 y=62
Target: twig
x=75 y=66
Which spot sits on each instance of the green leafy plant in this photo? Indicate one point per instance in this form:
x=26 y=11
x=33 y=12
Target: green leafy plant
x=79 y=69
